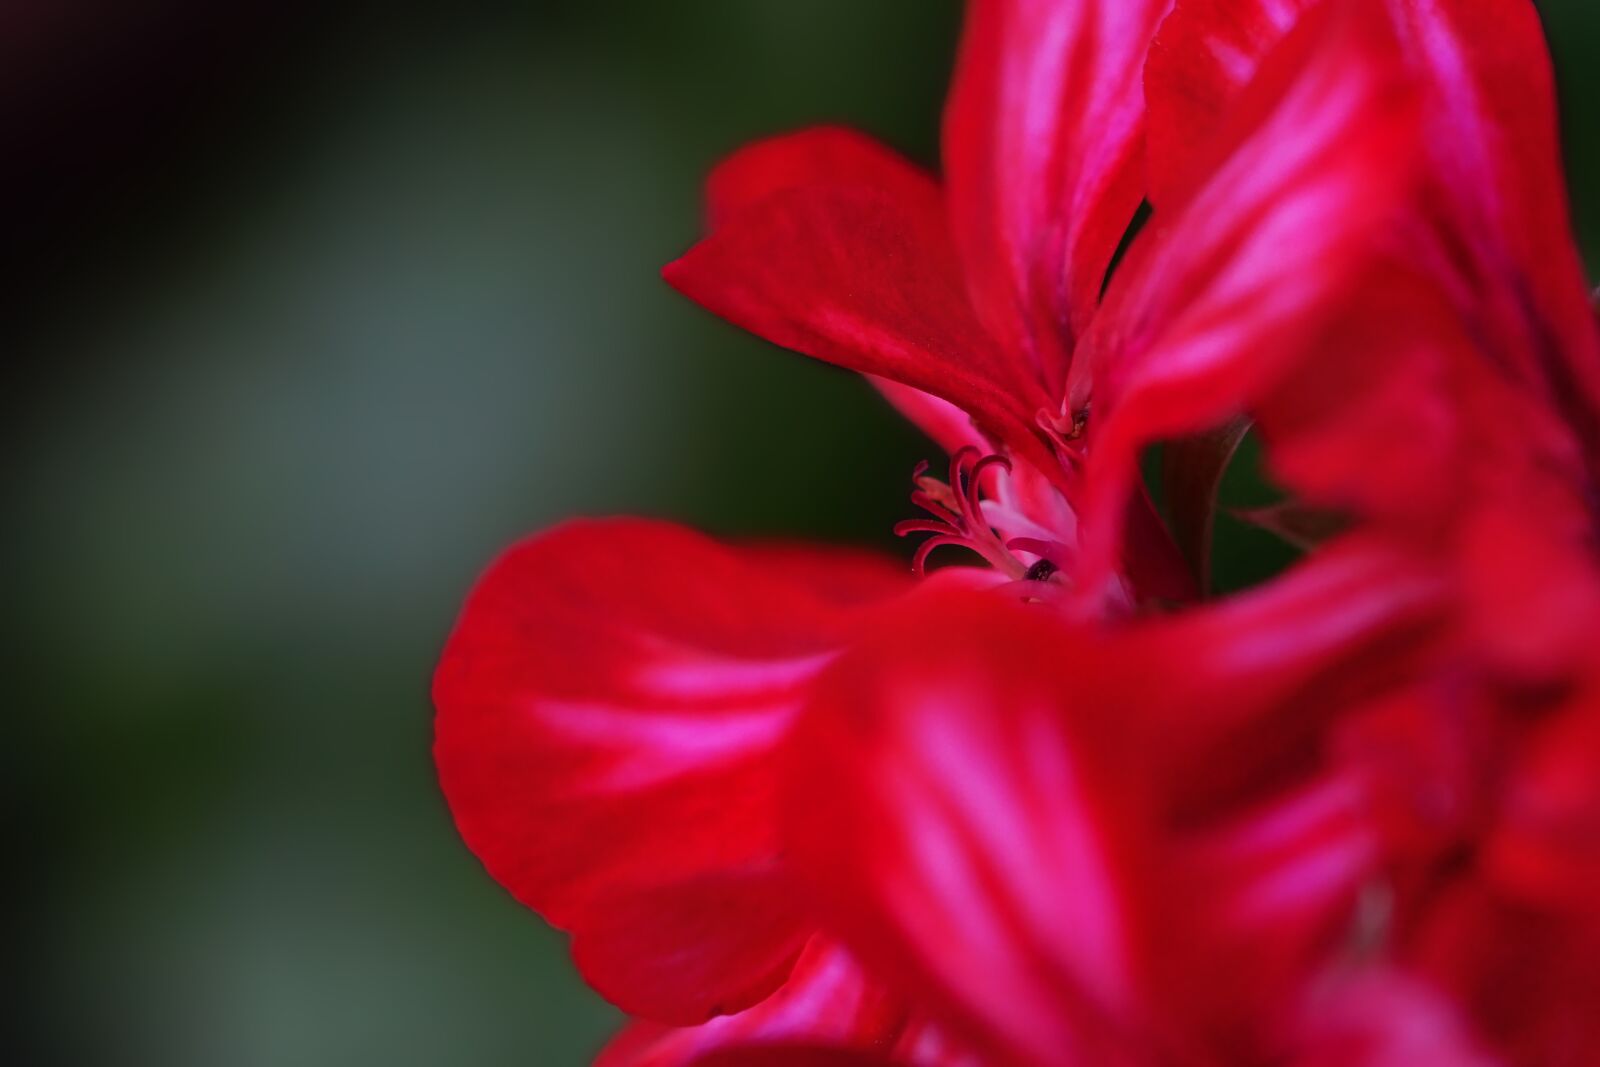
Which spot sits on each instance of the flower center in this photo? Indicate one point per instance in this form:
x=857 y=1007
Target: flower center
x=957 y=514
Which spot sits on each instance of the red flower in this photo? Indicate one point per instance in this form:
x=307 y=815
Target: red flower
x=793 y=802
x=974 y=298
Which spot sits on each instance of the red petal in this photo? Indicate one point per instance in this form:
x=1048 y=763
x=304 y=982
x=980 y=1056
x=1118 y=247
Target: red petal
x=868 y=280
x=1277 y=888
x=1533 y=585
x=821 y=157
x=1529 y=980
x=1493 y=223
x=832 y=158
x=1381 y=1019
x=1041 y=150
x=992 y=804
x=1392 y=367
x=1546 y=850
x=698 y=947
x=941 y=801
x=828 y=1000
x=608 y=709
x=1204 y=55
x=1220 y=294
x=1499 y=195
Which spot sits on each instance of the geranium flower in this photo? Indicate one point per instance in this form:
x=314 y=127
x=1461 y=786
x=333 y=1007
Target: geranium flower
x=796 y=807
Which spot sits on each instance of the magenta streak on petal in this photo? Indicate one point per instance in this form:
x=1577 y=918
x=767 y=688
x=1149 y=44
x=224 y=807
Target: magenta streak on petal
x=1289 y=822
x=698 y=676
x=656 y=744
x=1052 y=869
x=1371 y=597
x=1332 y=868
x=1329 y=852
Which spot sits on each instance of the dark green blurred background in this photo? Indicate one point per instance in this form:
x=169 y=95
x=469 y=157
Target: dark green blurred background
x=310 y=309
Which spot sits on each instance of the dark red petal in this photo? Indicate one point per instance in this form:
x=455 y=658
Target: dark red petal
x=1499 y=195
x=828 y=1000
x=1492 y=224
x=824 y=156
x=1546 y=849
x=1529 y=980
x=1204 y=55
x=696 y=948
x=608 y=707
x=866 y=280
x=1488 y=468
x=1384 y=1019
x=835 y=157
x=1396 y=365
x=1533 y=585
x=1042 y=141
x=1223 y=292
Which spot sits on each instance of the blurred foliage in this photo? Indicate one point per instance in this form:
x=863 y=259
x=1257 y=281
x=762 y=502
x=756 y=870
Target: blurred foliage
x=311 y=310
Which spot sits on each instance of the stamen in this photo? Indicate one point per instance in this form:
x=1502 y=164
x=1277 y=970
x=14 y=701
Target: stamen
x=957 y=510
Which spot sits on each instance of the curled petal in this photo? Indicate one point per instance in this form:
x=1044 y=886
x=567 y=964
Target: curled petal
x=938 y=797
x=832 y=158
x=608 y=709
x=1491 y=226
x=1497 y=197
x=827 y=1001
x=1204 y=55
x=868 y=280
x=1223 y=292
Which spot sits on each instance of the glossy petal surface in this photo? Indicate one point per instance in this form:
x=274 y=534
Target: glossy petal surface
x=609 y=704
x=1042 y=144
x=1006 y=795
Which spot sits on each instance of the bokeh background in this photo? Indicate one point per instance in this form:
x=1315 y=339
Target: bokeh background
x=309 y=309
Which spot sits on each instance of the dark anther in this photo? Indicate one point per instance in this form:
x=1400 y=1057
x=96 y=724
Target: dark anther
x=1040 y=571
